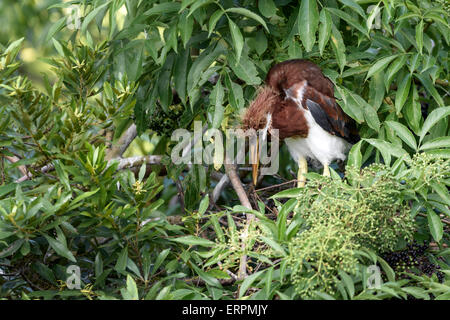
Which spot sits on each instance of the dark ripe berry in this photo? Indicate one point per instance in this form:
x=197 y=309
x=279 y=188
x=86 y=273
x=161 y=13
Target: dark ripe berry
x=413 y=256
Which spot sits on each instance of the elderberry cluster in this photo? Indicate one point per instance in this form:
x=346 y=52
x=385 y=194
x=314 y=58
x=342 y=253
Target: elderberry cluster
x=413 y=257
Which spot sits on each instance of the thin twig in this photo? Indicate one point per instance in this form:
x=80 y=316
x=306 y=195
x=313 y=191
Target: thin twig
x=276 y=185
x=223 y=182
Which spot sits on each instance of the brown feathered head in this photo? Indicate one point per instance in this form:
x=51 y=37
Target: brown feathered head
x=264 y=103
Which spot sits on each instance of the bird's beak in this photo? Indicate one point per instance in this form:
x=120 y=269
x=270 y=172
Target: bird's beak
x=254 y=155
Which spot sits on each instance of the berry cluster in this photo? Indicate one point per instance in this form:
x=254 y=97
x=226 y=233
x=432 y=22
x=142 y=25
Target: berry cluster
x=413 y=257
x=164 y=124
x=445 y=5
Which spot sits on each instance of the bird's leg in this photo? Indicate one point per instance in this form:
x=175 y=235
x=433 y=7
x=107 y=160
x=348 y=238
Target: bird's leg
x=302 y=169
x=326 y=170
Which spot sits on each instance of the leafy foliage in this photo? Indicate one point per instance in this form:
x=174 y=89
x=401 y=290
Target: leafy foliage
x=153 y=230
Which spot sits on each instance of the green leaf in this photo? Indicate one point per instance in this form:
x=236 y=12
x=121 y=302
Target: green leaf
x=213 y=21
x=57 y=26
x=429 y=86
x=416 y=292
x=414 y=62
x=163 y=8
x=15 y=45
x=432 y=119
x=185 y=26
x=403 y=133
x=98 y=265
x=131 y=292
x=248 y=282
x=295 y=50
x=355 y=156
x=260 y=42
x=45 y=272
x=440 y=142
x=376 y=93
x=323 y=295
x=354 y=104
x=204 y=204
x=210 y=280
x=200 y=64
x=244 y=69
x=267 y=8
x=216 y=100
x=435 y=224
x=408 y=15
x=442 y=191
x=324 y=29
x=349 y=19
x=308 y=21
x=387 y=149
x=180 y=73
x=390 y=274
x=185 y=4
x=381 y=64
x=289 y=193
x=82 y=197
x=121 y=263
x=91 y=16
x=12 y=248
x=371 y=116
x=393 y=69
x=402 y=93
x=355 y=7
x=5 y=234
x=62 y=174
x=268 y=285
x=347 y=280
x=337 y=43
x=274 y=245
x=238 y=40
x=161 y=257
x=193 y=241
x=419 y=36
x=197 y=5
x=58 y=47
x=235 y=94
x=249 y=14
x=412 y=111
x=60 y=248
x=282 y=216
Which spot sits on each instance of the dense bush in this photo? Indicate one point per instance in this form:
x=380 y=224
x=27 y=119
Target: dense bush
x=143 y=227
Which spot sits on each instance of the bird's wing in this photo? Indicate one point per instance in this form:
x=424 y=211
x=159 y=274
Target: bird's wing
x=289 y=120
x=329 y=115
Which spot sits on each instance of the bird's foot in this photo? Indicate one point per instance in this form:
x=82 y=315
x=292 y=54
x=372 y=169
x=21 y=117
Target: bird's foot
x=302 y=170
x=326 y=171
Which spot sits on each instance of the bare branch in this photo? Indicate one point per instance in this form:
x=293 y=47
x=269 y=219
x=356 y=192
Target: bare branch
x=44 y=169
x=122 y=144
x=136 y=161
x=230 y=169
x=14 y=159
